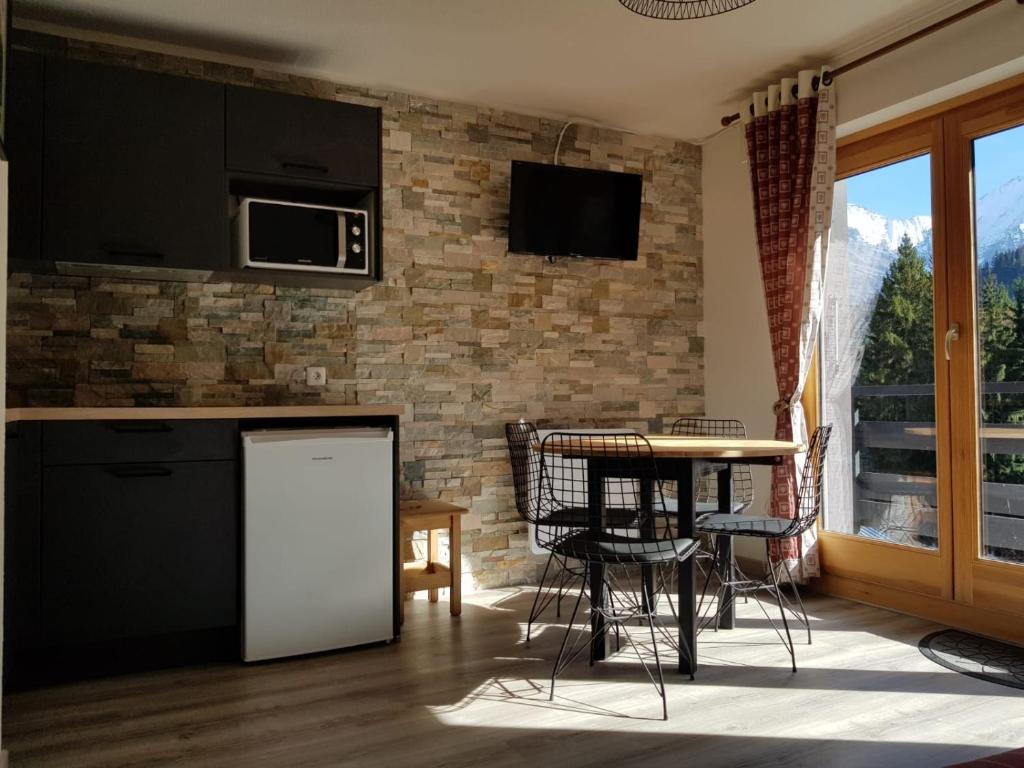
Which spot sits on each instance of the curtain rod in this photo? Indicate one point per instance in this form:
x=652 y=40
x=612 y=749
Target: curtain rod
x=827 y=78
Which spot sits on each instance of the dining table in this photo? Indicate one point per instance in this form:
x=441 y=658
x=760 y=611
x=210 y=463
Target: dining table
x=683 y=459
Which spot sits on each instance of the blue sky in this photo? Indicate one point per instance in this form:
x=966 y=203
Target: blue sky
x=902 y=190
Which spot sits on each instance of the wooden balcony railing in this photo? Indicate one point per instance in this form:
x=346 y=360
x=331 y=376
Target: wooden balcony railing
x=1002 y=502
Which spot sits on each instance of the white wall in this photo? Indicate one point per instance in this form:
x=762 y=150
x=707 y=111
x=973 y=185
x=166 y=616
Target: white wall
x=739 y=380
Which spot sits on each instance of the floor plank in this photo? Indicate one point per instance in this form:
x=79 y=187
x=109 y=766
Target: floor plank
x=470 y=691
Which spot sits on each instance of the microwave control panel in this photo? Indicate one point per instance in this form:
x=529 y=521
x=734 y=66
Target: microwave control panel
x=354 y=242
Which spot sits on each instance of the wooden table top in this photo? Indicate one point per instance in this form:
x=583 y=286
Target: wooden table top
x=680 y=447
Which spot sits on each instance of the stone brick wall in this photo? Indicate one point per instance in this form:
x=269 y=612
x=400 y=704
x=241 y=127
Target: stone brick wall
x=466 y=335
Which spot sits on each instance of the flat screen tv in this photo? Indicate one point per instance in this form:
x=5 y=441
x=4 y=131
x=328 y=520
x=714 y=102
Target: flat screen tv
x=555 y=210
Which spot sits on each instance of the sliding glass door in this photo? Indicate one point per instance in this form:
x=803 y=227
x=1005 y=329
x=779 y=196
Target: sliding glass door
x=922 y=366
x=882 y=383
x=985 y=193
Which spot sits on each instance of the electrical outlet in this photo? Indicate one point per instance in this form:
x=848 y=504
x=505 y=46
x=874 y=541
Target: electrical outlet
x=316 y=376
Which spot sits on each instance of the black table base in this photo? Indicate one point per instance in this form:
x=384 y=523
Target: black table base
x=685 y=471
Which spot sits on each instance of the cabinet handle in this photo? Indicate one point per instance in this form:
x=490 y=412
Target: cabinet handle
x=133 y=253
x=297 y=166
x=130 y=471
x=135 y=427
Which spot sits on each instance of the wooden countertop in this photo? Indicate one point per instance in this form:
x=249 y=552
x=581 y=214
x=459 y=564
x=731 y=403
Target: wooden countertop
x=203 y=412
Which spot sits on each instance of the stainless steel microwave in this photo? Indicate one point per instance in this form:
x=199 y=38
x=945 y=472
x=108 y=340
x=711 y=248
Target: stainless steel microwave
x=274 y=234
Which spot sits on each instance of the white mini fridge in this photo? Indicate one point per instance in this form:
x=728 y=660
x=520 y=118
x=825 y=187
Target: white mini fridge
x=318 y=540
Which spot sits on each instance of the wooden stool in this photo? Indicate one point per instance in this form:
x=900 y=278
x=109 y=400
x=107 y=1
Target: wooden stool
x=433 y=516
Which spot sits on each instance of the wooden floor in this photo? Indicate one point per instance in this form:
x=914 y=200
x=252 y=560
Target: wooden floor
x=470 y=692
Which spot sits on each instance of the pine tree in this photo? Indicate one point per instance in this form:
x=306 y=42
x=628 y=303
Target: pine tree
x=1000 y=325
x=995 y=328
x=1015 y=356
x=899 y=350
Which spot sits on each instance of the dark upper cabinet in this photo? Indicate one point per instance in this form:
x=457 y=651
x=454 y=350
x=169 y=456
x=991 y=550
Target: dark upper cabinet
x=133 y=169
x=24 y=144
x=301 y=137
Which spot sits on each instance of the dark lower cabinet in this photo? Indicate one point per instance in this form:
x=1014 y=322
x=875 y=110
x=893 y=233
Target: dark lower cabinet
x=139 y=441
x=22 y=502
x=133 y=170
x=136 y=550
x=132 y=563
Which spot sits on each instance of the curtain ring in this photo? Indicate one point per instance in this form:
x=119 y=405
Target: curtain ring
x=826 y=77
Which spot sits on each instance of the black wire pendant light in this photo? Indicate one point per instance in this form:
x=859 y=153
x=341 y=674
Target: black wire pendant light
x=678 y=10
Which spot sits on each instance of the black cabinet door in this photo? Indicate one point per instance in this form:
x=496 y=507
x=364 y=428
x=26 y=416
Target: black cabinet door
x=286 y=135
x=22 y=498
x=136 y=550
x=23 y=139
x=133 y=168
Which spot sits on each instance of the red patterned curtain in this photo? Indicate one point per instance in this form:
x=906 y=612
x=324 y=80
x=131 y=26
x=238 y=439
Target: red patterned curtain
x=790 y=132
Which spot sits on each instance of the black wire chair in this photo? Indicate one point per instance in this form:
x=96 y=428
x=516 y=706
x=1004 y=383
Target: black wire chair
x=548 y=515
x=706 y=492
x=768 y=528
x=707 y=483
x=621 y=467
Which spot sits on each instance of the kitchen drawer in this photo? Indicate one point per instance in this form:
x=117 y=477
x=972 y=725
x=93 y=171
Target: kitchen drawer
x=301 y=137
x=138 y=550
x=112 y=442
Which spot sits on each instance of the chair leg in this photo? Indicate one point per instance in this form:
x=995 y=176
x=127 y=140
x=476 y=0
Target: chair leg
x=665 y=587
x=782 y=609
x=534 y=612
x=713 y=568
x=645 y=612
x=799 y=599
x=657 y=664
x=565 y=578
x=565 y=641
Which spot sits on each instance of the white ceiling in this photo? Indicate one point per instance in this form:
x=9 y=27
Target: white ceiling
x=562 y=58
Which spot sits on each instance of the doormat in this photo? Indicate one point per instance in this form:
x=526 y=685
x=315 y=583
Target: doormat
x=976 y=656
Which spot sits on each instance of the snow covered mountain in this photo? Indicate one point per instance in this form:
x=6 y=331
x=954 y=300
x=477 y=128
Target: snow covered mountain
x=1001 y=220
x=876 y=230
x=1000 y=226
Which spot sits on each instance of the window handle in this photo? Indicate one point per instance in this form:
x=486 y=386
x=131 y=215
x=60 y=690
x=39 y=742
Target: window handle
x=953 y=334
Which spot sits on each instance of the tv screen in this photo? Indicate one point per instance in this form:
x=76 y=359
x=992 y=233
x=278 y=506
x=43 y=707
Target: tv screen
x=559 y=211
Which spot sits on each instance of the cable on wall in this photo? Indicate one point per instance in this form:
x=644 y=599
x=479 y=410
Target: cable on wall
x=561 y=135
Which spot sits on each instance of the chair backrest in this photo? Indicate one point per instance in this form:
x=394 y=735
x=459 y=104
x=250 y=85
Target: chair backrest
x=707 y=485
x=812 y=481
x=573 y=462
x=526 y=460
